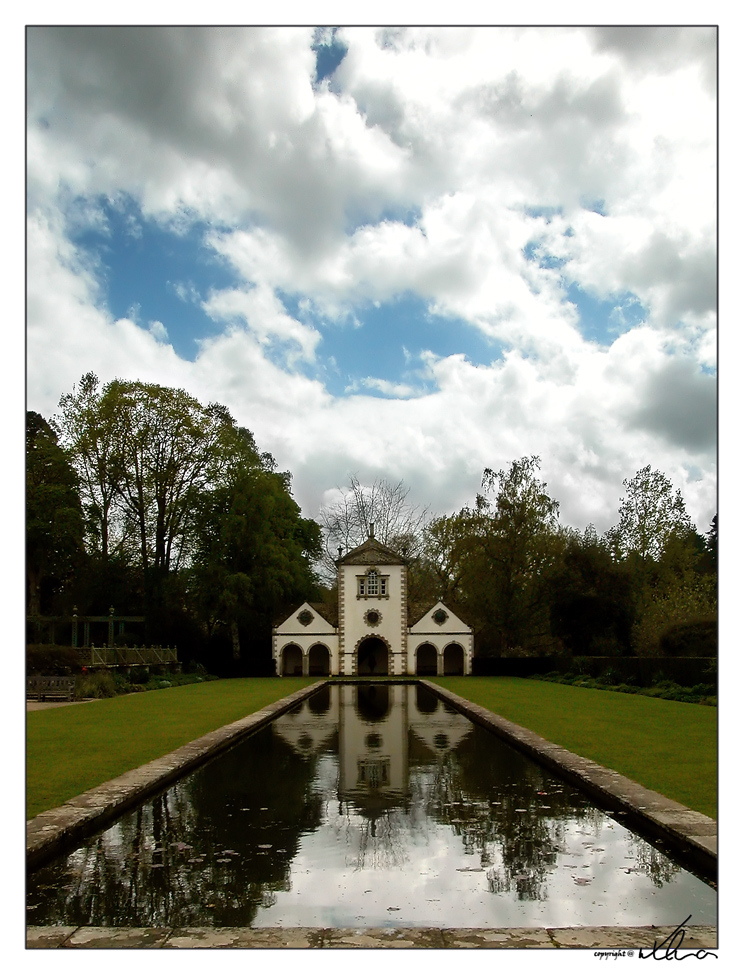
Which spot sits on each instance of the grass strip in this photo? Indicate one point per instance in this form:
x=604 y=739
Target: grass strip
x=667 y=746
x=70 y=750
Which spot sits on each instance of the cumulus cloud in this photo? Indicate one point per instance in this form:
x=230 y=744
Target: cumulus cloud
x=483 y=170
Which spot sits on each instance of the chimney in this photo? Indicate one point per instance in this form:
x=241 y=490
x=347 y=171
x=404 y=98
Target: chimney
x=372 y=530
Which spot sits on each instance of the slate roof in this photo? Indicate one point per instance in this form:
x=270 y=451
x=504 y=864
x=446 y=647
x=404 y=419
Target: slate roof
x=371 y=552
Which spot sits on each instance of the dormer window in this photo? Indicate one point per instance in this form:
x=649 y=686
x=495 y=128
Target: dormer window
x=372 y=585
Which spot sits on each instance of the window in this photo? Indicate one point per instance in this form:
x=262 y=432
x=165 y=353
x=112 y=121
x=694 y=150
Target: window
x=372 y=585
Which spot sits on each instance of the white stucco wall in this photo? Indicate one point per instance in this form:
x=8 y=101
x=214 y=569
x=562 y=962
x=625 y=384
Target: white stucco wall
x=401 y=641
x=318 y=630
x=352 y=627
x=452 y=630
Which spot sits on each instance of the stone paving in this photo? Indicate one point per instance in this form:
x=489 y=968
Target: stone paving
x=694 y=938
x=44 y=705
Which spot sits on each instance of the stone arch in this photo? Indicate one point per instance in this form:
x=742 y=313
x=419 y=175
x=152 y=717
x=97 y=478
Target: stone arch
x=454 y=659
x=426 y=660
x=372 y=656
x=319 y=660
x=291 y=661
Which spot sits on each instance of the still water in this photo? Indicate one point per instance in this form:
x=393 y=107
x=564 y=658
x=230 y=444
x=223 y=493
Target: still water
x=369 y=805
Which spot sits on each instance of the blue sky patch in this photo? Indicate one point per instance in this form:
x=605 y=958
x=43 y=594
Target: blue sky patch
x=385 y=341
x=546 y=212
x=602 y=320
x=532 y=252
x=329 y=52
x=149 y=273
x=595 y=206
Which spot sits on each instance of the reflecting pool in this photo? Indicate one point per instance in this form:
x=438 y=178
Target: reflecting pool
x=369 y=805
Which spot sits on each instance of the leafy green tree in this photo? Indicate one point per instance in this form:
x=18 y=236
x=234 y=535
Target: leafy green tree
x=90 y=431
x=54 y=518
x=665 y=557
x=591 y=607
x=514 y=545
x=711 y=546
x=145 y=454
x=254 y=551
x=650 y=513
x=446 y=546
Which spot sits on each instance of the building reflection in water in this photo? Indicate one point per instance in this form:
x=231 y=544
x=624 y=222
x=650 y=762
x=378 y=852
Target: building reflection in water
x=373 y=723
x=362 y=800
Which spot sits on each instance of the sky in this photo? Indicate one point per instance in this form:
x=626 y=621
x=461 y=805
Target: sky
x=403 y=253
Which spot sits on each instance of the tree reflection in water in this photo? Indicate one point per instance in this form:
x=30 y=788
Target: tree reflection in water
x=361 y=781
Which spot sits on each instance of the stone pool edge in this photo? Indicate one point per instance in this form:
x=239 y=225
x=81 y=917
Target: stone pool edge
x=627 y=939
x=56 y=829
x=691 y=833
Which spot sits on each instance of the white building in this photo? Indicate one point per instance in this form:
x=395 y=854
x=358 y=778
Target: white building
x=374 y=632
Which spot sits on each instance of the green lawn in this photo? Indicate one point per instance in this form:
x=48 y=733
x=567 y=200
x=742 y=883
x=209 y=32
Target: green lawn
x=70 y=750
x=667 y=746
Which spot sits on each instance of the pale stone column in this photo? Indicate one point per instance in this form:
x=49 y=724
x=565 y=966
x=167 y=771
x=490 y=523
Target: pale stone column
x=305 y=663
x=440 y=662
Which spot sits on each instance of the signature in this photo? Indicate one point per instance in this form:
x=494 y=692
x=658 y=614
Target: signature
x=670 y=947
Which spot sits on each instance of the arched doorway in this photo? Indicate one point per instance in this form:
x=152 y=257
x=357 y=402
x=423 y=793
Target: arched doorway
x=372 y=656
x=291 y=661
x=319 y=661
x=454 y=659
x=426 y=660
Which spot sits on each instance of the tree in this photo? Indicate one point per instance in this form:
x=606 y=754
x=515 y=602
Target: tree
x=145 y=453
x=346 y=522
x=665 y=557
x=89 y=427
x=650 y=513
x=253 y=551
x=591 y=606
x=54 y=518
x=514 y=545
x=444 y=553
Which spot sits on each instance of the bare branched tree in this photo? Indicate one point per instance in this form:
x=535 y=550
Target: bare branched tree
x=346 y=522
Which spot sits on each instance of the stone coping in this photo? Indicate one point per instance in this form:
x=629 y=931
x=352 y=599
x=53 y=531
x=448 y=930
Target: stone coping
x=691 y=833
x=691 y=938
x=57 y=829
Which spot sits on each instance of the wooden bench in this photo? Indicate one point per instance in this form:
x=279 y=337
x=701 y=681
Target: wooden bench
x=50 y=688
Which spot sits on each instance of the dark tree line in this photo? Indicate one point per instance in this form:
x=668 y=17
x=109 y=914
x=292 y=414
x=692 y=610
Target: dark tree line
x=532 y=586
x=140 y=497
